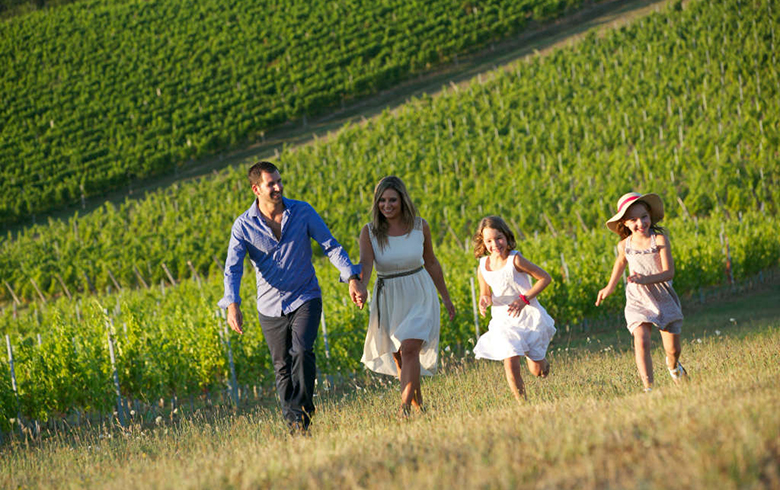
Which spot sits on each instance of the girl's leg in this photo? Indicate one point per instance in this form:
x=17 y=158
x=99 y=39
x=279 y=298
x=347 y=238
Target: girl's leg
x=540 y=369
x=410 y=374
x=644 y=362
x=673 y=349
x=513 y=377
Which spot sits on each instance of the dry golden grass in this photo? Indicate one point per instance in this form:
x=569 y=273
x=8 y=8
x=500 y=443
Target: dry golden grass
x=588 y=426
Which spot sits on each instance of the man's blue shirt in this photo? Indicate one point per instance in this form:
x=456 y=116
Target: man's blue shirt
x=285 y=274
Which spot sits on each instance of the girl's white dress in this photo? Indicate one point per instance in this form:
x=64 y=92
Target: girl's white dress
x=528 y=334
x=407 y=306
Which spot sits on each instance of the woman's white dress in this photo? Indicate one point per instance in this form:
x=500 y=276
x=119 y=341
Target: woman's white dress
x=406 y=308
x=528 y=334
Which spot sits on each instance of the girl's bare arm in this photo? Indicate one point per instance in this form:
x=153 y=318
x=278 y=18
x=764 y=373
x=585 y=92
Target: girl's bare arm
x=617 y=271
x=543 y=279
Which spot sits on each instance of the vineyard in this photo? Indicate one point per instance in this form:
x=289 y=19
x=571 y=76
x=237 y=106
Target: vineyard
x=99 y=94
x=549 y=144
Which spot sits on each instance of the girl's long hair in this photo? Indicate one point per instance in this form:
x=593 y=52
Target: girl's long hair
x=623 y=230
x=496 y=223
x=379 y=225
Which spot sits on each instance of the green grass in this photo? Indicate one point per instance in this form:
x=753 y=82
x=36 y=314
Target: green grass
x=587 y=426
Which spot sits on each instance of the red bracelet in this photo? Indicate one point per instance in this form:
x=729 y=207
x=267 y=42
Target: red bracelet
x=525 y=300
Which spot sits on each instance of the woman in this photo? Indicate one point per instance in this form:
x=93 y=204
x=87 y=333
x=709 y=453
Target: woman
x=403 y=331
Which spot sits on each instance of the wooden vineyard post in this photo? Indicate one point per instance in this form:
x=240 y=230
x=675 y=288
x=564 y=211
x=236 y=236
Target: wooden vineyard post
x=64 y=287
x=168 y=273
x=219 y=264
x=140 y=277
x=325 y=335
x=13 y=382
x=565 y=268
x=38 y=290
x=327 y=345
x=13 y=294
x=89 y=283
x=729 y=269
x=474 y=307
x=113 y=279
x=226 y=340
x=194 y=273
x=119 y=408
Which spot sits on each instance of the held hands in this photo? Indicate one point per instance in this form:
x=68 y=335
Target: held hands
x=358 y=293
x=234 y=317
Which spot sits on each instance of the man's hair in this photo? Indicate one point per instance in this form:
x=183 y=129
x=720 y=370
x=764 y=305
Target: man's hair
x=257 y=169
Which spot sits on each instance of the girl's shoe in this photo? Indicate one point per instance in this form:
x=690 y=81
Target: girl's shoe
x=648 y=390
x=678 y=373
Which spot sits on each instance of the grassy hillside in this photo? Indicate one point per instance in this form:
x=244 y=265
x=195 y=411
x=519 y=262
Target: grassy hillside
x=557 y=139
x=99 y=94
x=587 y=426
x=550 y=144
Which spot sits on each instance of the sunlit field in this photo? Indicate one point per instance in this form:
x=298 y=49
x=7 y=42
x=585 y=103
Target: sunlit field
x=587 y=426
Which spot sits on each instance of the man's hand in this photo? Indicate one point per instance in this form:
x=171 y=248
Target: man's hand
x=358 y=293
x=234 y=317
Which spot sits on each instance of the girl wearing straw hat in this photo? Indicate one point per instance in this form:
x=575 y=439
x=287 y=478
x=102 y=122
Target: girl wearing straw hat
x=650 y=298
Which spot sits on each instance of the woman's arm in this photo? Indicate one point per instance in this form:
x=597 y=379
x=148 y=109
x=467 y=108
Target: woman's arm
x=366 y=261
x=434 y=269
x=617 y=271
x=667 y=264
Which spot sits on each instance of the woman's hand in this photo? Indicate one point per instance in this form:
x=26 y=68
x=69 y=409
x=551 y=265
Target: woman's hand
x=515 y=307
x=358 y=293
x=450 y=308
x=484 y=302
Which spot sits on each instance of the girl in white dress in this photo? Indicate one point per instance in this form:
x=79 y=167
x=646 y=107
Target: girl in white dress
x=520 y=326
x=403 y=331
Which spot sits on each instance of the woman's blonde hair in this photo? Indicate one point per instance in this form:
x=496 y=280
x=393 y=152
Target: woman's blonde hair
x=496 y=223
x=379 y=225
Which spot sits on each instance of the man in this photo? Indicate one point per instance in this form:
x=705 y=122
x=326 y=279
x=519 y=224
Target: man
x=276 y=232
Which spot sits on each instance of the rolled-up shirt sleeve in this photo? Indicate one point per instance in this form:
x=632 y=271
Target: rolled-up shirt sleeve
x=319 y=231
x=234 y=267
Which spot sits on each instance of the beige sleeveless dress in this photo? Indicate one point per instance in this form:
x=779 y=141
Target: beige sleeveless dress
x=650 y=303
x=407 y=307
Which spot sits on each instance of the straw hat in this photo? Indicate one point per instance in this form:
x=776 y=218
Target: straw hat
x=626 y=200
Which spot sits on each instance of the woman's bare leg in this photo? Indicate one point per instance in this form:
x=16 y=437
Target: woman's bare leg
x=410 y=373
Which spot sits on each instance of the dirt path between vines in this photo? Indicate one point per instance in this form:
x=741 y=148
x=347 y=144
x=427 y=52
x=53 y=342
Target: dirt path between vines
x=602 y=16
